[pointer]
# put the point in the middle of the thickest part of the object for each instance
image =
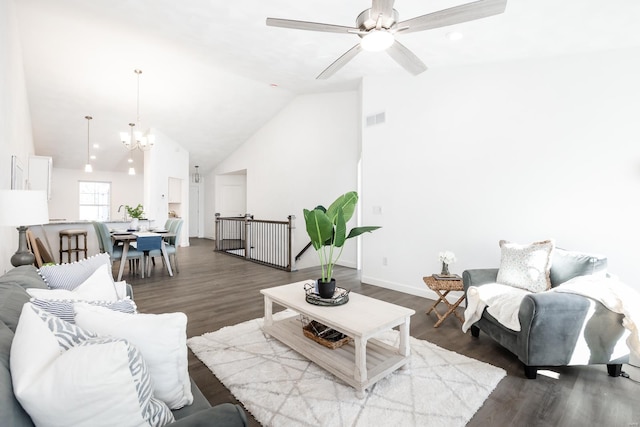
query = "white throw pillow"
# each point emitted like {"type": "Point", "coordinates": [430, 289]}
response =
{"type": "Point", "coordinates": [65, 376]}
{"type": "Point", "coordinates": [162, 340]}
{"type": "Point", "coordinates": [99, 286]}
{"type": "Point", "coordinates": [70, 276]}
{"type": "Point", "coordinates": [526, 266]}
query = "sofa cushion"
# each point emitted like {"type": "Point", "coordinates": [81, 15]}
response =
{"type": "Point", "coordinates": [568, 264]}
{"type": "Point", "coordinates": [526, 266]}
{"type": "Point", "coordinates": [12, 413]}
{"type": "Point", "coordinates": [60, 374]}
{"type": "Point", "coordinates": [26, 276]}
{"type": "Point", "coordinates": [12, 298]}
{"type": "Point", "coordinates": [98, 286]}
{"type": "Point", "coordinates": [162, 340]}
{"type": "Point", "coordinates": [70, 276]}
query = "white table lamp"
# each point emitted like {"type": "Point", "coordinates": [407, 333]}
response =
{"type": "Point", "coordinates": [21, 208]}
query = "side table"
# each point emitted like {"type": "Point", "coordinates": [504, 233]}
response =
{"type": "Point", "coordinates": [442, 288]}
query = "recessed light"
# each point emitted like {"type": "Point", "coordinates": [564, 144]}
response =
{"type": "Point", "coordinates": [130, 160]}
{"type": "Point", "coordinates": [92, 157]}
{"type": "Point", "coordinates": [454, 36]}
{"type": "Point", "coordinates": [96, 145]}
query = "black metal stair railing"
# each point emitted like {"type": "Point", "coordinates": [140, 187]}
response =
{"type": "Point", "coordinates": [262, 241]}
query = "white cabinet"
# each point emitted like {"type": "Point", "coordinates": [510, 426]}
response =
{"type": "Point", "coordinates": [40, 168]}
{"type": "Point", "coordinates": [175, 190]}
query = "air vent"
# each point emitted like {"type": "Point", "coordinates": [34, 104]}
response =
{"type": "Point", "coordinates": [376, 119]}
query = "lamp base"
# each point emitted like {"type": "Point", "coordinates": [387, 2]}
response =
{"type": "Point", "coordinates": [22, 255]}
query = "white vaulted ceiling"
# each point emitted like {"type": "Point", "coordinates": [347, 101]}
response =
{"type": "Point", "coordinates": [209, 65]}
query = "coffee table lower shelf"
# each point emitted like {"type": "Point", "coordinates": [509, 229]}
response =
{"type": "Point", "coordinates": [381, 358]}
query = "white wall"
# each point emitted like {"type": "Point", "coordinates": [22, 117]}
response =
{"type": "Point", "coordinates": [64, 204]}
{"type": "Point", "coordinates": [305, 156]}
{"type": "Point", "coordinates": [166, 159]}
{"type": "Point", "coordinates": [15, 121]}
{"type": "Point", "coordinates": [521, 151]}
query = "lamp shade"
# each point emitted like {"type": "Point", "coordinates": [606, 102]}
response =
{"type": "Point", "coordinates": [23, 207]}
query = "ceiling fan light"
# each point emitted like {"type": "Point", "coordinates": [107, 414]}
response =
{"type": "Point", "coordinates": [132, 171]}
{"type": "Point", "coordinates": [377, 40]}
{"type": "Point", "coordinates": [454, 36]}
{"type": "Point", "coordinates": [88, 167]}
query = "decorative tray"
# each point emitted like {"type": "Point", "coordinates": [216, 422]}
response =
{"type": "Point", "coordinates": [340, 296]}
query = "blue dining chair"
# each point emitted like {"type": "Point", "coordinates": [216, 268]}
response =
{"type": "Point", "coordinates": [171, 243]}
{"type": "Point", "coordinates": [115, 252]}
{"type": "Point", "coordinates": [146, 244]}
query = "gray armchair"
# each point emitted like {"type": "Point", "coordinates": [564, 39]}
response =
{"type": "Point", "coordinates": [558, 329]}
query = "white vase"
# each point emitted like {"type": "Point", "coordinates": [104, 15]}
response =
{"type": "Point", "coordinates": [134, 224]}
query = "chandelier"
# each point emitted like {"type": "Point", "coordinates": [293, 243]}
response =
{"type": "Point", "coordinates": [88, 167]}
{"type": "Point", "coordinates": [142, 140]}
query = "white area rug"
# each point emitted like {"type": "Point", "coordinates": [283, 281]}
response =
{"type": "Point", "coordinates": [281, 388]}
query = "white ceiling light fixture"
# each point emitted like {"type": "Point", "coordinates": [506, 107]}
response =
{"type": "Point", "coordinates": [196, 175]}
{"type": "Point", "coordinates": [140, 139]}
{"type": "Point", "coordinates": [88, 167]}
{"type": "Point", "coordinates": [377, 41]}
{"type": "Point", "coordinates": [455, 36]}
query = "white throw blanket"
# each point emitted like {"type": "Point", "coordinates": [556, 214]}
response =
{"type": "Point", "coordinates": [503, 302]}
{"type": "Point", "coordinates": [613, 294]}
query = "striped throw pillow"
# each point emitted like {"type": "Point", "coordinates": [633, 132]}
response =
{"type": "Point", "coordinates": [70, 276]}
{"type": "Point", "coordinates": [63, 309]}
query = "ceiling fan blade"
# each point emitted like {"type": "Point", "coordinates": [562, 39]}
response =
{"type": "Point", "coordinates": [407, 59]}
{"type": "Point", "coordinates": [340, 62]}
{"type": "Point", "coordinates": [454, 15]}
{"type": "Point", "coordinates": [384, 7]}
{"type": "Point", "coordinates": [310, 26]}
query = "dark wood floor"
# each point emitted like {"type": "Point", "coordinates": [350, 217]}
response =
{"type": "Point", "coordinates": [217, 290]}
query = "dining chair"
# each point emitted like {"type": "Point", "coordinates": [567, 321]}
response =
{"type": "Point", "coordinates": [146, 244]}
{"type": "Point", "coordinates": [115, 252]}
{"type": "Point", "coordinates": [171, 243]}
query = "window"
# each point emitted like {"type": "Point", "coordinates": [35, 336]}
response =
{"type": "Point", "coordinates": [95, 200]}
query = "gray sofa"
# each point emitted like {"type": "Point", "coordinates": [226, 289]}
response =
{"type": "Point", "coordinates": [553, 323]}
{"type": "Point", "coordinates": [12, 298]}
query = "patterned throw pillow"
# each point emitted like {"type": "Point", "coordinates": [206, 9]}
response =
{"type": "Point", "coordinates": [63, 309]}
{"type": "Point", "coordinates": [70, 276]}
{"type": "Point", "coordinates": [526, 266]}
{"type": "Point", "coordinates": [64, 375]}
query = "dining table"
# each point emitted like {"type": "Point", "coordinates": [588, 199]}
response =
{"type": "Point", "coordinates": [131, 236]}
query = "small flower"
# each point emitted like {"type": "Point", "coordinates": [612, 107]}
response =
{"type": "Point", "coordinates": [447, 257]}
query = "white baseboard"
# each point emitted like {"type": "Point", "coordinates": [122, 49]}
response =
{"type": "Point", "coordinates": [411, 290]}
{"type": "Point", "coordinates": [424, 293]}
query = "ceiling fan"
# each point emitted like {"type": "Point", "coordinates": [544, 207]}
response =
{"type": "Point", "coordinates": [378, 26]}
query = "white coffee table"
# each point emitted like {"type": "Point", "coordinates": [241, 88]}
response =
{"type": "Point", "coordinates": [361, 363]}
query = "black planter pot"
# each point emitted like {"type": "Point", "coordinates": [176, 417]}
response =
{"type": "Point", "coordinates": [326, 289]}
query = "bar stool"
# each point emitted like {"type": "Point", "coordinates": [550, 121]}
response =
{"type": "Point", "coordinates": [69, 234]}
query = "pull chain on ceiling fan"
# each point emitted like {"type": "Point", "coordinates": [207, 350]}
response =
{"type": "Point", "coordinates": [378, 26]}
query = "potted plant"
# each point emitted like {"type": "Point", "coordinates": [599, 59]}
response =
{"type": "Point", "coordinates": [327, 229]}
{"type": "Point", "coordinates": [136, 214]}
